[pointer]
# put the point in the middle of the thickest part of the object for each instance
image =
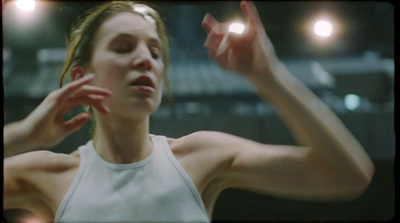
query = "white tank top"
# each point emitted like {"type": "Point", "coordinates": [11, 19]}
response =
{"type": "Point", "coordinates": [156, 189]}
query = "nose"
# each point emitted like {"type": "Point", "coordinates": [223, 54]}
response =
{"type": "Point", "coordinates": [142, 58]}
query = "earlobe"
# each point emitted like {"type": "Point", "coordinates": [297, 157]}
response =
{"type": "Point", "coordinates": [77, 72]}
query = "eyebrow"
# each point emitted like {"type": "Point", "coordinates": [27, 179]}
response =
{"type": "Point", "coordinates": [126, 35]}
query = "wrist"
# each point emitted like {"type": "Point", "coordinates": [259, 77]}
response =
{"type": "Point", "coordinates": [269, 76]}
{"type": "Point", "coordinates": [29, 134]}
{"type": "Point", "coordinates": [16, 139]}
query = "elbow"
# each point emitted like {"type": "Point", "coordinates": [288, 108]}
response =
{"type": "Point", "coordinates": [365, 178]}
{"type": "Point", "coordinates": [357, 191]}
{"type": "Point", "coordinates": [356, 187]}
{"type": "Point", "coordinates": [365, 182]}
{"type": "Point", "coordinates": [346, 193]}
{"type": "Point", "coordinates": [349, 185]}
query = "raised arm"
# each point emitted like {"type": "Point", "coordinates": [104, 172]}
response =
{"type": "Point", "coordinates": [331, 164]}
{"type": "Point", "coordinates": [45, 126]}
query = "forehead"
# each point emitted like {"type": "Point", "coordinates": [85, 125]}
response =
{"type": "Point", "coordinates": [126, 23]}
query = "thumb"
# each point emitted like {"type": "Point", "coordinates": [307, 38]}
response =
{"type": "Point", "coordinates": [250, 12]}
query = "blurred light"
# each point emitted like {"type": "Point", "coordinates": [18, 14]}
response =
{"type": "Point", "coordinates": [31, 219]}
{"type": "Point", "coordinates": [323, 28]}
{"type": "Point", "coordinates": [26, 5]}
{"type": "Point", "coordinates": [236, 27]}
{"type": "Point", "coordinates": [352, 101]}
{"type": "Point", "coordinates": [6, 55]}
{"type": "Point", "coordinates": [24, 23]}
{"type": "Point", "coordinates": [322, 75]}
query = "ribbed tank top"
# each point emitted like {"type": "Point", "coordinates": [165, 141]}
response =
{"type": "Point", "coordinates": [156, 189]}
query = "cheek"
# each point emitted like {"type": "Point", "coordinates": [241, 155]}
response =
{"type": "Point", "coordinates": [104, 62]}
{"type": "Point", "coordinates": [111, 66]}
{"type": "Point", "coordinates": [108, 71]}
{"type": "Point", "coordinates": [161, 89]}
{"type": "Point", "coordinates": [115, 65]}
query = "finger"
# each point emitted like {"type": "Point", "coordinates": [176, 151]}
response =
{"type": "Point", "coordinates": [250, 12]}
{"type": "Point", "coordinates": [221, 57]}
{"type": "Point", "coordinates": [93, 90]}
{"type": "Point", "coordinates": [209, 22]}
{"type": "Point", "coordinates": [70, 87]}
{"type": "Point", "coordinates": [214, 41]}
{"type": "Point", "coordinates": [76, 123]}
{"type": "Point", "coordinates": [93, 101]}
{"type": "Point", "coordinates": [223, 60]}
{"type": "Point", "coordinates": [223, 46]}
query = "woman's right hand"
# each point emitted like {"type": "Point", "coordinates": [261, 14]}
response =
{"type": "Point", "coordinates": [46, 126]}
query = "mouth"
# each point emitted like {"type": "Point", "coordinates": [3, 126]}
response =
{"type": "Point", "coordinates": [143, 81]}
{"type": "Point", "coordinates": [144, 84]}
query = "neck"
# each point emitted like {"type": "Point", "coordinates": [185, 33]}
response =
{"type": "Point", "coordinates": [121, 140]}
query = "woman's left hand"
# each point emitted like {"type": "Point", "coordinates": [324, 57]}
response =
{"type": "Point", "coordinates": [250, 53]}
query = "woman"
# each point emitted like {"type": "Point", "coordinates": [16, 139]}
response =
{"type": "Point", "coordinates": [117, 59]}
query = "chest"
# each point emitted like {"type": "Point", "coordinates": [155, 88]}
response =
{"type": "Point", "coordinates": [158, 189]}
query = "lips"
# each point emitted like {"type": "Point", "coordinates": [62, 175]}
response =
{"type": "Point", "coordinates": [143, 81]}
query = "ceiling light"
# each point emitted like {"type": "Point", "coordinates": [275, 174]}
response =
{"type": "Point", "coordinates": [25, 5]}
{"type": "Point", "coordinates": [323, 28]}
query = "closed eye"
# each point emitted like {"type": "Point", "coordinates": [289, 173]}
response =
{"type": "Point", "coordinates": [155, 53]}
{"type": "Point", "coordinates": [122, 44]}
{"type": "Point", "coordinates": [122, 50]}
{"type": "Point", "coordinates": [126, 43]}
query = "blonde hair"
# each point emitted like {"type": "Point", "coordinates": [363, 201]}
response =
{"type": "Point", "coordinates": [80, 43]}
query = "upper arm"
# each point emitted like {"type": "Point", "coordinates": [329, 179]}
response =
{"type": "Point", "coordinates": [284, 171]}
{"type": "Point", "coordinates": [278, 170]}
{"type": "Point", "coordinates": [20, 173]}
{"type": "Point", "coordinates": [13, 189]}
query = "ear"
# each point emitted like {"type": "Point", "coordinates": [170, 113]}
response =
{"type": "Point", "coordinates": [77, 72]}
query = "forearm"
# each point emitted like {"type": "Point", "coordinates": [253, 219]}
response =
{"type": "Point", "coordinates": [313, 124]}
{"type": "Point", "coordinates": [16, 139]}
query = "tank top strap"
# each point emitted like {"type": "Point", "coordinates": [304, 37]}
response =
{"type": "Point", "coordinates": [162, 141]}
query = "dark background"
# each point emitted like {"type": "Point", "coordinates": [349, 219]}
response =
{"type": "Point", "coordinates": [358, 61]}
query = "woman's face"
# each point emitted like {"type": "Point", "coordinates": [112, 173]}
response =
{"type": "Point", "coordinates": [127, 60]}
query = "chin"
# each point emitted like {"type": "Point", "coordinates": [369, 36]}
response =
{"type": "Point", "coordinates": [134, 106]}
{"type": "Point", "coordinates": [144, 108]}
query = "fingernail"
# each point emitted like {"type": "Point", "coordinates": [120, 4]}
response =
{"type": "Point", "coordinates": [90, 75]}
{"type": "Point", "coordinates": [221, 48]}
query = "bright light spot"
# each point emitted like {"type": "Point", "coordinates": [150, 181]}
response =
{"type": "Point", "coordinates": [140, 8]}
{"type": "Point", "coordinates": [352, 101]}
{"type": "Point", "coordinates": [236, 27]}
{"type": "Point", "coordinates": [26, 5]}
{"type": "Point", "coordinates": [323, 28]}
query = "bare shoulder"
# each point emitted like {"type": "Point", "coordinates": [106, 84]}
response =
{"type": "Point", "coordinates": [207, 157]}
{"type": "Point", "coordinates": [29, 170]}
{"type": "Point", "coordinates": [216, 150]}
{"type": "Point", "coordinates": [30, 176]}
{"type": "Point", "coordinates": [204, 157]}
{"type": "Point", "coordinates": [195, 143]}
{"type": "Point", "coordinates": [42, 160]}
{"type": "Point", "coordinates": [203, 139]}
{"type": "Point", "coordinates": [212, 140]}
